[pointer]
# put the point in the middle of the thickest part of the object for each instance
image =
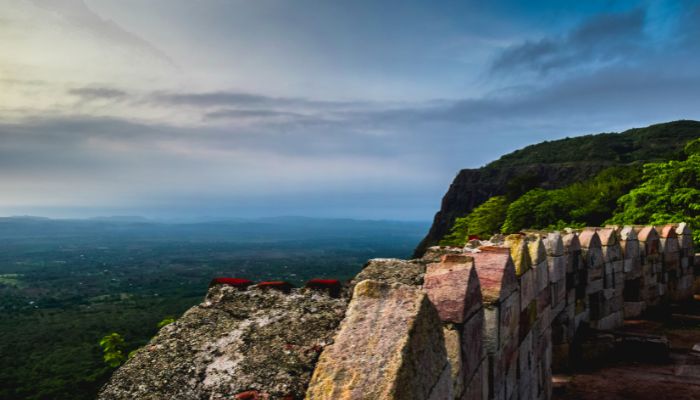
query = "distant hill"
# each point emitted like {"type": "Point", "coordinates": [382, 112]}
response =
{"type": "Point", "coordinates": [556, 164]}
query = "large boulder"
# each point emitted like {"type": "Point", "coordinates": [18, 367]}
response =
{"type": "Point", "coordinates": [258, 341]}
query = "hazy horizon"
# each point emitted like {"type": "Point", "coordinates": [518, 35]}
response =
{"type": "Point", "coordinates": [358, 109]}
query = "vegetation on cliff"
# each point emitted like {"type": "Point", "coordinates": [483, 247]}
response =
{"type": "Point", "coordinates": [670, 192]}
{"type": "Point", "coordinates": [555, 165]}
{"type": "Point", "coordinates": [651, 193]}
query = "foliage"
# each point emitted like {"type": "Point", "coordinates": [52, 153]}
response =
{"type": "Point", "coordinates": [483, 221]}
{"type": "Point", "coordinates": [584, 203]}
{"type": "Point", "coordinates": [166, 321]}
{"type": "Point", "coordinates": [113, 348]}
{"type": "Point", "coordinates": [670, 192]}
{"type": "Point", "coordinates": [65, 284]}
{"type": "Point", "coordinates": [659, 142]}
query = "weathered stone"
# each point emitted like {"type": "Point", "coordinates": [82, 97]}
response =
{"type": "Point", "coordinates": [629, 243]}
{"type": "Point", "coordinates": [592, 251]}
{"type": "Point", "coordinates": [554, 244]}
{"type": "Point", "coordinates": [648, 241]}
{"type": "Point", "coordinates": [391, 270]}
{"type": "Point", "coordinates": [634, 309]}
{"type": "Point", "coordinates": [528, 289]}
{"type": "Point", "coordinates": [477, 388]}
{"type": "Point", "coordinates": [610, 245]}
{"type": "Point", "coordinates": [389, 346]}
{"type": "Point", "coordinates": [453, 287]}
{"type": "Point", "coordinates": [472, 343]}
{"type": "Point", "coordinates": [496, 272]}
{"type": "Point", "coordinates": [453, 346]}
{"type": "Point", "coordinates": [519, 252]}
{"type": "Point", "coordinates": [435, 253]}
{"type": "Point", "coordinates": [233, 342]}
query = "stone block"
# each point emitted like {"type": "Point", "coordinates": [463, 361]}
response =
{"type": "Point", "coordinates": [527, 288]}
{"type": "Point", "coordinates": [538, 253]}
{"type": "Point", "coordinates": [472, 344]}
{"type": "Point", "coordinates": [594, 286]}
{"type": "Point", "coordinates": [453, 346]}
{"type": "Point", "coordinates": [453, 288]}
{"type": "Point", "coordinates": [391, 270]}
{"type": "Point", "coordinates": [554, 244]}
{"type": "Point", "coordinates": [496, 272]}
{"type": "Point", "coordinates": [389, 346]}
{"type": "Point", "coordinates": [477, 387]}
{"type": "Point", "coordinates": [557, 268]}
{"type": "Point", "coordinates": [633, 309]}
{"type": "Point", "coordinates": [558, 296]}
{"type": "Point", "coordinates": [561, 357]}
{"type": "Point", "coordinates": [572, 252]}
{"type": "Point", "coordinates": [508, 329]}
{"type": "Point", "coordinates": [648, 241]}
{"type": "Point", "coordinates": [519, 253]}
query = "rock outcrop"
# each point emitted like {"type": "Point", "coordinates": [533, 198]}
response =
{"type": "Point", "coordinates": [237, 341]}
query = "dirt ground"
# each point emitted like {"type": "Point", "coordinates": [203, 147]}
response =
{"type": "Point", "coordinates": [678, 378]}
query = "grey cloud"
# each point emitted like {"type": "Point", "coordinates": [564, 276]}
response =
{"type": "Point", "coordinates": [98, 93]}
{"type": "Point", "coordinates": [602, 39]}
{"type": "Point", "coordinates": [240, 99]}
{"type": "Point", "coordinates": [247, 113]}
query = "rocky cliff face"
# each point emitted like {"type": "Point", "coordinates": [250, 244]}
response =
{"type": "Point", "coordinates": [471, 187]}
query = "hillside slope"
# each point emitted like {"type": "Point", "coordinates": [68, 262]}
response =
{"type": "Point", "coordinates": [555, 164]}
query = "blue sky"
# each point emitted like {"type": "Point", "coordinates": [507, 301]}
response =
{"type": "Point", "coordinates": [364, 109]}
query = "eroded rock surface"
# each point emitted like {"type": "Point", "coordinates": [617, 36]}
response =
{"type": "Point", "coordinates": [235, 341]}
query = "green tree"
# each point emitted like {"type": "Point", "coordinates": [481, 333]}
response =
{"type": "Point", "coordinates": [483, 221]}
{"type": "Point", "coordinates": [670, 192]}
{"type": "Point", "coordinates": [166, 321]}
{"type": "Point", "coordinates": [113, 349]}
{"type": "Point", "coordinates": [590, 202]}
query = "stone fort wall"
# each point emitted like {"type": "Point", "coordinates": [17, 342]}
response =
{"type": "Point", "coordinates": [491, 320]}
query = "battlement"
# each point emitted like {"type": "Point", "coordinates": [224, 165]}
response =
{"type": "Point", "coordinates": [488, 321]}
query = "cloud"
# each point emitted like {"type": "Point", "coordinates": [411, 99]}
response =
{"type": "Point", "coordinates": [246, 113]}
{"type": "Point", "coordinates": [603, 39]}
{"type": "Point", "coordinates": [77, 14]}
{"type": "Point", "coordinates": [241, 99]}
{"type": "Point", "coordinates": [97, 93]}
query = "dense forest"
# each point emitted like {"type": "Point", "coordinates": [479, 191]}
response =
{"type": "Point", "coordinates": [636, 193]}
{"type": "Point", "coordinates": [66, 285]}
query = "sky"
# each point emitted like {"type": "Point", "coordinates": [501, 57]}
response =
{"type": "Point", "coordinates": [360, 109]}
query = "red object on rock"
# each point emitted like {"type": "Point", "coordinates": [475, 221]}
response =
{"type": "Point", "coordinates": [235, 282]}
{"type": "Point", "coordinates": [248, 395]}
{"type": "Point", "coordinates": [333, 286]}
{"type": "Point", "coordinates": [282, 286]}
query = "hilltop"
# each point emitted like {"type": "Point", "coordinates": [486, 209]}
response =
{"type": "Point", "coordinates": [557, 164]}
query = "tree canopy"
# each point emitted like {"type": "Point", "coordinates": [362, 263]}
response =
{"type": "Point", "coordinates": [669, 192]}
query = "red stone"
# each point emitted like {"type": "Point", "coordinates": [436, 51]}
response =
{"type": "Point", "coordinates": [496, 272]}
{"type": "Point", "coordinates": [235, 282]}
{"type": "Point", "coordinates": [248, 395]}
{"type": "Point", "coordinates": [453, 287]}
{"type": "Point", "coordinates": [333, 286]}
